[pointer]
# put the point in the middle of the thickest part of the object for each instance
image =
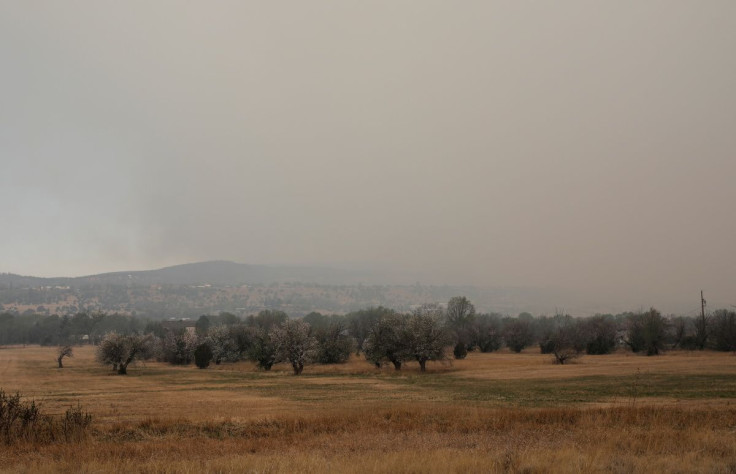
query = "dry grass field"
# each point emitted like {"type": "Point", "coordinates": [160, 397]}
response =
{"type": "Point", "coordinates": [496, 412]}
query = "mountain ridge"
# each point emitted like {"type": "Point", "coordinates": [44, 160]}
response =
{"type": "Point", "coordinates": [214, 272]}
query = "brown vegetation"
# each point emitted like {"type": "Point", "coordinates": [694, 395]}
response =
{"type": "Point", "coordinates": [497, 412]}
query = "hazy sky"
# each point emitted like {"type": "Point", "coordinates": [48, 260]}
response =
{"type": "Point", "coordinates": [582, 144]}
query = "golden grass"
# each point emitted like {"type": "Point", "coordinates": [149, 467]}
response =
{"type": "Point", "coordinates": [463, 417]}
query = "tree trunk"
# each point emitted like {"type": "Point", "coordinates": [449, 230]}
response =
{"type": "Point", "coordinates": [123, 369]}
{"type": "Point", "coordinates": [298, 367]}
{"type": "Point", "coordinates": [61, 366]}
{"type": "Point", "coordinates": [423, 365]}
{"type": "Point", "coordinates": [397, 364]}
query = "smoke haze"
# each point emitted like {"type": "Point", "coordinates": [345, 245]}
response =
{"type": "Point", "coordinates": [587, 146]}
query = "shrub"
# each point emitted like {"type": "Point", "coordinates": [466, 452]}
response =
{"type": "Point", "coordinates": [460, 351]}
{"type": "Point", "coordinates": [23, 421]}
{"type": "Point", "coordinates": [202, 356]}
{"type": "Point", "coordinates": [547, 346]}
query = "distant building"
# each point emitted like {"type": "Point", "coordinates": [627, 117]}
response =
{"type": "Point", "coordinates": [176, 325]}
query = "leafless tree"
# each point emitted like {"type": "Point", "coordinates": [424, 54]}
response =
{"type": "Point", "coordinates": [563, 343]}
{"type": "Point", "coordinates": [460, 315]}
{"type": "Point", "coordinates": [64, 351]}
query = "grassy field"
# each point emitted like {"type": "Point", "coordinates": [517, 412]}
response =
{"type": "Point", "coordinates": [496, 412]}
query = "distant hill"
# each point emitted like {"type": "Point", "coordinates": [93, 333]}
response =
{"type": "Point", "coordinates": [216, 273]}
{"type": "Point", "coordinates": [210, 287]}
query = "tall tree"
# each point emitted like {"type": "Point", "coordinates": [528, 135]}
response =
{"type": "Point", "coordinates": [460, 315]}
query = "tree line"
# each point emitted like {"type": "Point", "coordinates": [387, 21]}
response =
{"type": "Point", "coordinates": [429, 333]}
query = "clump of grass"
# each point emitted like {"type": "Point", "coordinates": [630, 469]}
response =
{"type": "Point", "coordinates": [23, 421]}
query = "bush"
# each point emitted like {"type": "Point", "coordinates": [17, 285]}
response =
{"type": "Point", "coordinates": [202, 356]}
{"type": "Point", "coordinates": [547, 346]}
{"type": "Point", "coordinates": [24, 421]}
{"type": "Point", "coordinates": [460, 351]}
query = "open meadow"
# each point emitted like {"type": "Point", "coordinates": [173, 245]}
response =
{"type": "Point", "coordinates": [498, 412]}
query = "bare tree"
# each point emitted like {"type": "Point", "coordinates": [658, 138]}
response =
{"type": "Point", "coordinates": [293, 343]}
{"type": "Point", "coordinates": [600, 334]}
{"type": "Point", "coordinates": [460, 314]}
{"type": "Point", "coordinates": [64, 351]}
{"type": "Point", "coordinates": [701, 325]}
{"type": "Point", "coordinates": [517, 333]}
{"type": "Point", "coordinates": [563, 343]}
{"type": "Point", "coordinates": [486, 332]}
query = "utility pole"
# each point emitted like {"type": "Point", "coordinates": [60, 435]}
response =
{"type": "Point", "coordinates": [701, 329]}
{"type": "Point", "coordinates": [702, 306]}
